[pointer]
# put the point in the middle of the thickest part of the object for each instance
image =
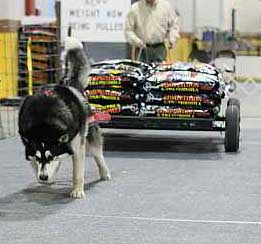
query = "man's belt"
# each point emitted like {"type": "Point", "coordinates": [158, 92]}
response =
{"type": "Point", "coordinates": [155, 45]}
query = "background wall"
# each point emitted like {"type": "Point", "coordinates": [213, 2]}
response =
{"type": "Point", "coordinates": [46, 7]}
{"type": "Point", "coordinates": [15, 9]}
{"type": "Point", "coordinates": [185, 9]}
{"type": "Point", "coordinates": [11, 9]}
{"type": "Point", "coordinates": [196, 14]}
{"type": "Point", "coordinates": [249, 16]}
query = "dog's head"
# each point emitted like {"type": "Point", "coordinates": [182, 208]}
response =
{"type": "Point", "coordinates": [45, 157]}
{"type": "Point", "coordinates": [47, 125]}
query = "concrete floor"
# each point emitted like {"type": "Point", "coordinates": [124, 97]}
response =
{"type": "Point", "coordinates": [167, 187]}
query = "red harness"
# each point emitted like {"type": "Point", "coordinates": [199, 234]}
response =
{"type": "Point", "coordinates": [98, 117]}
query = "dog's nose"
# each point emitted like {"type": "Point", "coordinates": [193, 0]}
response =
{"type": "Point", "coordinates": [43, 177]}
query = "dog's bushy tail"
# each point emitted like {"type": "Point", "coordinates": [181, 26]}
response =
{"type": "Point", "coordinates": [78, 65]}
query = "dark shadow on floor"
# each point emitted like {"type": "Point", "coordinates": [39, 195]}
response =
{"type": "Point", "coordinates": [195, 147]}
{"type": "Point", "coordinates": [164, 144]}
{"type": "Point", "coordinates": [37, 201]}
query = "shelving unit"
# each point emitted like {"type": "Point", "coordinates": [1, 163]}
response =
{"type": "Point", "coordinates": [43, 47]}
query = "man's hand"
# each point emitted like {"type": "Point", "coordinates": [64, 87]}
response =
{"type": "Point", "coordinates": [172, 45]}
{"type": "Point", "coordinates": [141, 44]}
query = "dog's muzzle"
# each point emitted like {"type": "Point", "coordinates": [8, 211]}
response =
{"type": "Point", "coordinates": [44, 159]}
{"type": "Point", "coordinates": [46, 172]}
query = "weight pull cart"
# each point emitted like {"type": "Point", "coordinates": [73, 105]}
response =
{"type": "Point", "coordinates": [228, 123]}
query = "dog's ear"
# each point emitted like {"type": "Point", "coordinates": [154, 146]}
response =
{"type": "Point", "coordinates": [64, 138]}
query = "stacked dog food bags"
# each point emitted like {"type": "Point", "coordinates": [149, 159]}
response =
{"type": "Point", "coordinates": [183, 90]}
{"type": "Point", "coordinates": [167, 90]}
{"type": "Point", "coordinates": [114, 86]}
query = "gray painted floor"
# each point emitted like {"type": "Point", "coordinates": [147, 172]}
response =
{"type": "Point", "coordinates": [167, 187]}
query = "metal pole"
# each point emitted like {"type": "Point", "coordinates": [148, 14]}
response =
{"type": "Point", "coordinates": [233, 31]}
{"type": "Point", "coordinates": [69, 31]}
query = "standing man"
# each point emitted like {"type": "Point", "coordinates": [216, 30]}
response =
{"type": "Point", "coordinates": [149, 24]}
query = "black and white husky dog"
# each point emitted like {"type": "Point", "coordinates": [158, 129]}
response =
{"type": "Point", "coordinates": [53, 123]}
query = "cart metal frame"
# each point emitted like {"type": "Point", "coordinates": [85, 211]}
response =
{"type": "Point", "coordinates": [156, 123]}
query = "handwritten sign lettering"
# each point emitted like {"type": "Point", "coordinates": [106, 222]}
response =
{"type": "Point", "coordinates": [95, 20]}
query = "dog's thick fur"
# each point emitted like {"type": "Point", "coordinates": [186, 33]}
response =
{"type": "Point", "coordinates": [51, 126]}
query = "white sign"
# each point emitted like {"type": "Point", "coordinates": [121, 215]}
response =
{"type": "Point", "coordinates": [95, 20]}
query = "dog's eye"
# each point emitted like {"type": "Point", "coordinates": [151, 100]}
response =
{"type": "Point", "coordinates": [64, 138]}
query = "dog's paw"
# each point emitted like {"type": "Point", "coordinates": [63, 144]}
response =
{"type": "Point", "coordinates": [77, 194]}
{"type": "Point", "coordinates": [106, 176]}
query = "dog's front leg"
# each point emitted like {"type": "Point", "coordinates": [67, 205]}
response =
{"type": "Point", "coordinates": [78, 158]}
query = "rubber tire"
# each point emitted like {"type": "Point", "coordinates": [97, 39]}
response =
{"type": "Point", "coordinates": [232, 128]}
{"type": "Point", "coordinates": [233, 101]}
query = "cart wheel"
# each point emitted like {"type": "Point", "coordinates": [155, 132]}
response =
{"type": "Point", "coordinates": [233, 101]}
{"type": "Point", "coordinates": [232, 128]}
